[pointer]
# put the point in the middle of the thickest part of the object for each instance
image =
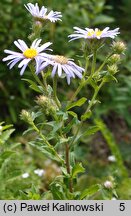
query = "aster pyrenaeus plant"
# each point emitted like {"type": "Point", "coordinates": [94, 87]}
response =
{"type": "Point", "coordinates": [40, 14]}
{"type": "Point", "coordinates": [35, 52]}
{"type": "Point", "coordinates": [60, 64]}
{"type": "Point", "coordinates": [58, 128]}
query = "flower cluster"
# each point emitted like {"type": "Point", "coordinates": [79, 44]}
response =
{"type": "Point", "coordinates": [37, 52]}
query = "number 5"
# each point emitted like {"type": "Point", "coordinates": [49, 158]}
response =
{"type": "Point", "coordinates": [122, 207]}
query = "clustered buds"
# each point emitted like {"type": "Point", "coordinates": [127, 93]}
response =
{"type": "Point", "coordinates": [26, 116]}
{"type": "Point", "coordinates": [118, 47]}
{"type": "Point", "coordinates": [115, 58]}
{"type": "Point", "coordinates": [113, 69]}
{"type": "Point", "coordinates": [47, 104]}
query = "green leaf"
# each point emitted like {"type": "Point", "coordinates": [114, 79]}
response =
{"type": "Point", "coordinates": [33, 85]}
{"type": "Point", "coordinates": [6, 135]}
{"type": "Point", "coordinates": [78, 168]}
{"type": "Point", "coordinates": [58, 191]}
{"type": "Point", "coordinates": [5, 155]}
{"type": "Point", "coordinates": [74, 121]}
{"type": "Point", "coordinates": [79, 103]}
{"type": "Point", "coordinates": [90, 191]}
{"type": "Point", "coordinates": [109, 78]}
{"type": "Point", "coordinates": [86, 116]}
{"type": "Point", "coordinates": [55, 125]}
{"type": "Point", "coordinates": [91, 130]}
{"type": "Point", "coordinates": [93, 84]}
{"type": "Point", "coordinates": [63, 115]}
{"type": "Point", "coordinates": [46, 150]}
{"type": "Point", "coordinates": [112, 145]}
{"type": "Point", "coordinates": [72, 114]}
{"type": "Point", "coordinates": [7, 126]}
{"type": "Point", "coordinates": [100, 19]}
{"type": "Point", "coordinates": [50, 90]}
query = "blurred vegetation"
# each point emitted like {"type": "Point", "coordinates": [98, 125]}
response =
{"type": "Point", "coordinates": [114, 110]}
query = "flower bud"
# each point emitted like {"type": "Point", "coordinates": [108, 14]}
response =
{"type": "Point", "coordinates": [47, 103]}
{"type": "Point", "coordinates": [42, 101]}
{"type": "Point", "coordinates": [108, 184]}
{"type": "Point", "coordinates": [119, 47]}
{"type": "Point", "coordinates": [113, 69]}
{"type": "Point", "coordinates": [26, 116]}
{"type": "Point", "coordinates": [114, 58]}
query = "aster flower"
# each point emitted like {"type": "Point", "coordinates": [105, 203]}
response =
{"type": "Point", "coordinates": [34, 52]}
{"type": "Point", "coordinates": [61, 63]}
{"type": "Point", "coordinates": [91, 33]}
{"type": "Point", "coordinates": [41, 14]}
{"type": "Point", "coordinates": [39, 172]}
{"type": "Point", "coordinates": [25, 175]}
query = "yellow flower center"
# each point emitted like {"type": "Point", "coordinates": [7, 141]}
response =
{"type": "Point", "coordinates": [30, 53]}
{"type": "Point", "coordinates": [60, 59]}
{"type": "Point", "coordinates": [90, 33]}
{"type": "Point", "coordinates": [98, 33]}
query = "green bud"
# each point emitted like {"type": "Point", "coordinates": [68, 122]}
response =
{"type": "Point", "coordinates": [114, 59]}
{"type": "Point", "coordinates": [26, 116]}
{"type": "Point", "coordinates": [113, 69]}
{"type": "Point", "coordinates": [119, 47]}
{"type": "Point", "coordinates": [42, 101]}
{"type": "Point", "coordinates": [47, 103]}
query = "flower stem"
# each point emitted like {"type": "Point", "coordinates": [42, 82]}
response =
{"type": "Point", "coordinates": [82, 84]}
{"type": "Point", "coordinates": [47, 143]}
{"type": "Point", "coordinates": [93, 62]}
{"type": "Point", "coordinates": [103, 64]}
{"type": "Point", "coordinates": [87, 110]}
{"type": "Point", "coordinates": [68, 166]}
{"type": "Point", "coordinates": [55, 91]}
{"type": "Point", "coordinates": [37, 79]}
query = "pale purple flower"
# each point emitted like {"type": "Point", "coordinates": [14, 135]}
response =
{"type": "Point", "coordinates": [60, 64]}
{"type": "Point", "coordinates": [39, 172]}
{"type": "Point", "coordinates": [41, 13]}
{"type": "Point", "coordinates": [112, 158]}
{"type": "Point", "coordinates": [25, 175]}
{"type": "Point", "coordinates": [34, 52]}
{"type": "Point", "coordinates": [88, 33]}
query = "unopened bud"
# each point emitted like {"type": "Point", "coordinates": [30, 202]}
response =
{"type": "Point", "coordinates": [119, 47]}
{"type": "Point", "coordinates": [113, 69]}
{"type": "Point", "coordinates": [108, 184]}
{"type": "Point", "coordinates": [42, 101]}
{"type": "Point", "coordinates": [26, 116]}
{"type": "Point", "coordinates": [47, 103]}
{"type": "Point", "coordinates": [114, 58]}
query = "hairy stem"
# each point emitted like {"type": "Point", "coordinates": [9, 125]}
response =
{"type": "Point", "coordinates": [47, 143]}
{"type": "Point", "coordinates": [55, 91]}
{"type": "Point", "coordinates": [103, 64]}
{"type": "Point", "coordinates": [87, 110]}
{"type": "Point", "coordinates": [37, 79]}
{"type": "Point", "coordinates": [93, 63]}
{"type": "Point", "coordinates": [82, 84]}
{"type": "Point", "coordinates": [68, 166]}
